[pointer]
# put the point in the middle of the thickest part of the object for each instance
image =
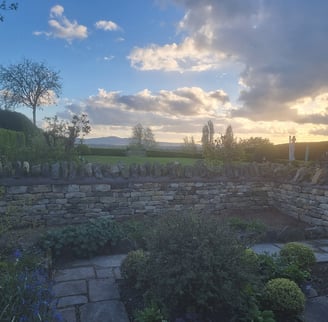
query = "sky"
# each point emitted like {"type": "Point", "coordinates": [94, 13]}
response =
{"type": "Point", "coordinates": [260, 66]}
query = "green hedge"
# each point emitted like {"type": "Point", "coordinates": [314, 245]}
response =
{"type": "Point", "coordinates": [173, 154]}
{"type": "Point", "coordinates": [10, 141]}
{"type": "Point", "coordinates": [18, 122]}
{"type": "Point", "coordinates": [107, 151]}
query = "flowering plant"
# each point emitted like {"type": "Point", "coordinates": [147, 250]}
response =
{"type": "Point", "coordinates": [25, 291]}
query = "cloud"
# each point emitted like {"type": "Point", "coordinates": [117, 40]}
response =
{"type": "Point", "coordinates": [175, 114]}
{"type": "Point", "coordinates": [175, 57]}
{"type": "Point", "coordinates": [63, 28]}
{"type": "Point", "coordinates": [107, 25]}
{"type": "Point", "coordinates": [280, 47]}
{"type": "Point", "coordinates": [181, 110]}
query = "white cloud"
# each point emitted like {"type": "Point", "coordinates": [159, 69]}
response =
{"type": "Point", "coordinates": [179, 111]}
{"type": "Point", "coordinates": [56, 11]}
{"type": "Point", "coordinates": [63, 28]}
{"type": "Point", "coordinates": [107, 25]}
{"type": "Point", "coordinates": [175, 57]}
{"type": "Point", "coordinates": [279, 46]}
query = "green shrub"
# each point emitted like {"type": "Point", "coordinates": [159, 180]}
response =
{"type": "Point", "coordinates": [298, 254]}
{"type": "Point", "coordinates": [84, 240]}
{"type": "Point", "coordinates": [151, 313]}
{"type": "Point", "coordinates": [284, 298]}
{"type": "Point", "coordinates": [271, 266]}
{"type": "Point", "coordinates": [196, 262]}
{"type": "Point", "coordinates": [133, 268]}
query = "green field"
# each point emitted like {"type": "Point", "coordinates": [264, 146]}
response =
{"type": "Point", "coordinates": [137, 160]}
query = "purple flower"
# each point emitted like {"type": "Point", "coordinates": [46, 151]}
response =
{"type": "Point", "coordinates": [17, 254]}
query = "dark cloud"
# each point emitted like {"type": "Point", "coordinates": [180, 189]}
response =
{"type": "Point", "coordinates": [282, 45]}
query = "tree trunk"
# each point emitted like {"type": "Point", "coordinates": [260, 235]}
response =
{"type": "Point", "coordinates": [34, 115]}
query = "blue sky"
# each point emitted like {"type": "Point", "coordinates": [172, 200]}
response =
{"type": "Point", "coordinates": [172, 65]}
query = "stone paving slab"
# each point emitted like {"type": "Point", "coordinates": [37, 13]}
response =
{"type": "Point", "coordinates": [105, 273]}
{"type": "Point", "coordinates": [71, 274]}
{"type": "Point", "coordinates": [70, 288]}
{"type": "Point", "coordinates": [101, 261]}
{"type": "Point", "coordinates": [266, 249]}
{"type": "Point", "coordinates": [71, 301]}
{"type": "Point", "coordinates": [69, 314]}
{"type": "Point", "coordinates": [108, 261]}
{"type": "Point", "coordinates": [316, 309]}
{"type": "Point", "coordinates": [103, 289]}
{"type": "Point", "coordinates": [107, 311]}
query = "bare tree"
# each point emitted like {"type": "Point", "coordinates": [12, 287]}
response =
{"type": "Point", "coordinates": [29, 84]}
{"type": "Point", "coordinates": [142, 138]}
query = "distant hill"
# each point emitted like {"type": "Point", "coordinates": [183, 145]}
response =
{"type": "Point", "coordinates": [107, 141]}
{"type": "Point", "coordinates": [115, 141]}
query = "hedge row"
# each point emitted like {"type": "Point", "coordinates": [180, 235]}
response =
{"type": "Point", "coordinates": [173, 154]}
{"type": "Point", "coordinates": [107, 151]}
{"type": "Point", "coordinates": [11, 140]}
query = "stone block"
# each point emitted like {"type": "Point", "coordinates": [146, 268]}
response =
{"type": "Point", "coordinates": [68, 314]}
{"type": "Point", "coordinates": [101, 187]}
{"type": "Point", "coordinates": [109, 311]}
{"type": "Point", "coordinates": [70, 288]}
{"type": "Point", "coordinates": [74, 274]}
{"type": "Point", "coordinates": [17, 189]}
{"type": "Point", "coordinates": [71, 300]}
{"type": "Point", "coordinates": [103, 289]}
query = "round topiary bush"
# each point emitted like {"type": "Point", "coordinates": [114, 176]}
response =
{"type": "Point", "coordinates": [133, 267]}
{"type": "Point", "coordinates": [284, 298]}
{"type": "Point", "coordinates": [298, 254]}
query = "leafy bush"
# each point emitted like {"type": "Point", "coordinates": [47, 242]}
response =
{"type": "Point", "coordinates": [298, 254]}
{"type": "Point", "coordinates": [151, 313]}
{"type": "Point", "coordinates": [195, 263]}
{"type": "Point", "coordinates": [18, 122]}
{"type": "Point", "coordinates": [271, 267]}
{"type": "Point", "coordinates": [133, 268]}
{"type": "Point", "coordinates": [284, 298]}
{"type": "Point", "coordinates": [83, 240]}
{"type": "Point", "coordinates": [25, 292]}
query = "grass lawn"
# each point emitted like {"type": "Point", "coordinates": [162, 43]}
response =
{"type": "Point", "coordinates": [137, 160]}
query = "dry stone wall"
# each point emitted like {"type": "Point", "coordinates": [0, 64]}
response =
{"type": "Point", "coordinates": [65, 203]}
{"type": "Point", "coordinates": [64, 196]}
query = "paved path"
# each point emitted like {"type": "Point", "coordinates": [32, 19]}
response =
{"type": "Point", "coordinates": [87, 290]}
{"type": "Point", "coordinates": [319, 246]}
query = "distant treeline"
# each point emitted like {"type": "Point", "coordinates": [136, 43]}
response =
{"type": "Point", "coordinates": [149, 153]}
{"type": "Point", "coordinates": [317, 150]}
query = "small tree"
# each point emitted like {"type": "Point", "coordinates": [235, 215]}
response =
{"type": "Point", "coordinates": [208, 140]}
{"type": "Point", "coordinates": [189, 145]}
{"type": "Point", "coordinates": [29, 84]}
{"type": "Point", "coordinates": [142, 138]}
{"type": "Point", "coordinates": [62, 134]}
{"type": "Point", "coordinates": [226, 146]}
{"type": "Point", "coordinates": [257, 149]}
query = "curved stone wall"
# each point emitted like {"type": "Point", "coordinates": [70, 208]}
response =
{"type": "Point", "coordinates": [34, 201]}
